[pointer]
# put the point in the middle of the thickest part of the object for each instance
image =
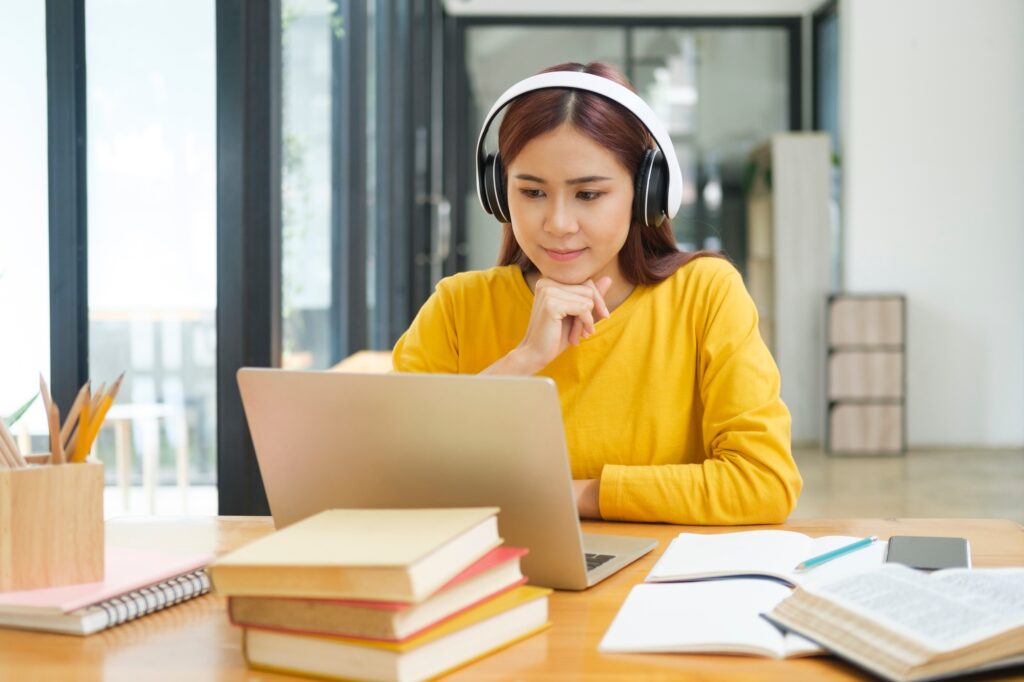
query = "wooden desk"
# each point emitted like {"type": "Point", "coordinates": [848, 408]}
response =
{"type": "Point", "coordinates": [193, 641]}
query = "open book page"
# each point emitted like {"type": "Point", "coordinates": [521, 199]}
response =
{"type": "Point", "coordinates": [771, 553]}
{"type": "Point", "coordinates": [861, 560]}
{"type": "Point", "coordinates": [945, 611]}
{"type": "Point", "coordinates": [718, 616]}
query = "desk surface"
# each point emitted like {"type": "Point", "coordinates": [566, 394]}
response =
{"type": "Point", "coordinates": [194, 642]}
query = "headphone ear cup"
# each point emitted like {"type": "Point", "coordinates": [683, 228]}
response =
{"type": "Point", "coordinates": [650, 194]}
{"type": "Point", "coordinates": [496, 188]}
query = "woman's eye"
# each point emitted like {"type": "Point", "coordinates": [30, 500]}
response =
{"type": "Point", "coordinates": [587, 196]}
{"type": "Point", "coordinates": [531, 193]}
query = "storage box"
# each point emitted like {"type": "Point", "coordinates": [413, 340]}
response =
{"type": "Point", "coordinates": [51, 525]}
{"type": "Point", "coordinates": [866, 429]}
{"type": "Point", "coordinates": [865, 374]}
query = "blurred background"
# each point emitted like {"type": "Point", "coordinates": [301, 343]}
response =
{"type": "Point", "coordinates": [193, 186]}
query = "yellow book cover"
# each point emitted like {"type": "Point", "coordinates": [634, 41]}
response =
{"type": "Point", "coordinates": [374, 554]}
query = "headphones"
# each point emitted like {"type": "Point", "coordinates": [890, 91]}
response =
{"type": "Point", "coordinates": [658, 186]}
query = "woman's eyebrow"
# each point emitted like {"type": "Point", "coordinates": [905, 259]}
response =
{"type": "Point", "coordinates": [574, 181]}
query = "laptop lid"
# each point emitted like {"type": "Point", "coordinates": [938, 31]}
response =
{"type": "Point", "coordinates": [334, 440]}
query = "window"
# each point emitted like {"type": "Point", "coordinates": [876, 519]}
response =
{"type": "Point", "coordinates": [24, 233]}
{"type": "Point", "coordinates": [308, 29]}
{"type": "Point", "coordinates": [153, 247]}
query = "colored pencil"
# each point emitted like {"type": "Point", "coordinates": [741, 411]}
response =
{"type": "Point", "coordinates": [835, 553]}
{"type": "Point", "coordinates": [76, 409]}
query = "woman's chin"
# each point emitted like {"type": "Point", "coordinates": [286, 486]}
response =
{"type": "Point", "coordinates": [568, 276]}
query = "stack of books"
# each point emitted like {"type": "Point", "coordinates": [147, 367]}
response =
{"type": "Point", "coordinates": [379, 594]}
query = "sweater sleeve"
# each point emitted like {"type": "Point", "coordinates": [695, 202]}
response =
{"type": "Point", "coordinates": [748, 475]}
{"type": "Point", "coordinates": [430, 344]}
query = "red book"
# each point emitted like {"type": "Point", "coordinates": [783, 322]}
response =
{"type": "Point", "coordinates": [493, 574]}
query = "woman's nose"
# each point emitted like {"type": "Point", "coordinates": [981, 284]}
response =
{"type": "Point", "coordinates": [560, 219]}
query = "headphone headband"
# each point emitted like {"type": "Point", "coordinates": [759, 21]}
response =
{"type": "Point", "coordinates": [575, 80]}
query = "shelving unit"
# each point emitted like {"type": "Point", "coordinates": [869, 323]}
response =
{"type": "Point", "coordinates": [866, 375]}
{"type": "Point", "coordinates": [789, 265]}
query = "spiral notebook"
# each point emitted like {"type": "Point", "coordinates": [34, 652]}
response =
{"type": "Point", "coordinates": [136, 583]}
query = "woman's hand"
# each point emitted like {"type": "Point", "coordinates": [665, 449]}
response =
{"type": "Point", "coordinates": [588, 496]}
{"type": "Point", "coordinates": [562, 315]}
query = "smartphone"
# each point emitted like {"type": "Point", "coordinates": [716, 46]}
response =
{"type": "Point", "coordinates": [928, 553]}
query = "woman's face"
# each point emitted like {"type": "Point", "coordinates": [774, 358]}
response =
{"type": "Point", "coordinates": [570, 202]}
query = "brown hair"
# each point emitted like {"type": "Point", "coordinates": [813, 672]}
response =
{"type": "Point", "coordinates": [649, 254]}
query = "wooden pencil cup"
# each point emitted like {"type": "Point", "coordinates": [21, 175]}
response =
{"type": "Point", "coordinates": [51, 525]}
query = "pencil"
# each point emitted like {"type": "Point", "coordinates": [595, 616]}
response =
{"type": "Point", "coordinates": [56, 450]}
{"type": "Point", "coordinates": [69, 423]}
{"type": "Point", "coordinates": [7, 460]}
{"type": "Point", "coordinates": [13, 454]}
{"type": "Point", "coordinates": [52, 426]}
{"type": "Point", "coordinates": [94, 426]}
{"type": "Point", "coordinates": [97, 398]}
{"type": "Point", "coordinates": [835, 553]}
{"type": "Point", "coordinates": [43, 391]}
{"type": "Point", "coordinates": [83, 426]}
{"type": "Point", "coordinates": [116, 387]}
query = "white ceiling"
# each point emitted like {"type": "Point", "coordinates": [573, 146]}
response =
{"type": "Point", "coordinates": [618, 8]}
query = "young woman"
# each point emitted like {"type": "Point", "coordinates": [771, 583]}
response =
{"type": "Point", "coordinates": [669, 396]}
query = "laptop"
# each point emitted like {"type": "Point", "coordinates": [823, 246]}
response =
{"type": "Point", "coordinates": [333, 440]}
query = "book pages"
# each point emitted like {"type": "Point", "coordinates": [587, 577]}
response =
{"type": "Point", "coordinates": [945, 611]}
{"type": "Point", "coordinates": [717, 616]}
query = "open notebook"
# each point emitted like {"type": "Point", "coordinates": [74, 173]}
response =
{"type": "Point", "coordinates": [718, 616]}
{"type": "Point", "coordinates": [761, 553]}
{"type": "Point", "coordinates": [135, 583]}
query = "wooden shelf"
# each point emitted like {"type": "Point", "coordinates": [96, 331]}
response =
{"type": "Point", "coordinates": [866, 374]}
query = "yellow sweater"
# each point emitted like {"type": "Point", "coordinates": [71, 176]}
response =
{"type": "Point", "coordinates": [673, 402]}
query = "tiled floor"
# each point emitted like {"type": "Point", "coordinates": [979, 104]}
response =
{"type": "Point", "coordinates": [922, 484]}
{"type": "Point", "coordinates": [964, 483]}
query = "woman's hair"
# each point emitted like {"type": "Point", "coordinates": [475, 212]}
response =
{"type": "Point", "coordinates": [649, 254]}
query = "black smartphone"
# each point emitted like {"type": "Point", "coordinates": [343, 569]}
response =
{"type": "Point", "coordinates": [928, 553]}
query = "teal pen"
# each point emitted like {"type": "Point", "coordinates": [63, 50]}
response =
{"type": "Point", "coordinates": [829, 556]}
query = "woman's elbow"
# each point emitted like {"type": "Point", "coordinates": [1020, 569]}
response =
{"type": "Point", "coordinates": [770, 497]}
{"type": "Point", "coordinates": [784, 493]}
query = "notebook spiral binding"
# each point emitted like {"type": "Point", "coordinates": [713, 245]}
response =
{"type": "Point", "coordinates": [153, 598]}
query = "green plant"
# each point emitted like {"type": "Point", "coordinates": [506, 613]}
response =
{"type": "Point", "coordinates": [10, 421]}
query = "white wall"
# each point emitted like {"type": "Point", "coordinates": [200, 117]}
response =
{"type": "Point", "coordinates": [932, 116]}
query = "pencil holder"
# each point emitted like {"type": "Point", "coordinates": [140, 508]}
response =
{"type": "Point", "coordinates": [51, 525]}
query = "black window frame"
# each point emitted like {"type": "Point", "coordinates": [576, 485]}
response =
{"type": "Point", "coordinates": [68, 199]}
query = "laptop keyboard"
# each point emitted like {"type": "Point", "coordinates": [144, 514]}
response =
{"type": "Point", "coordinates": [595, 560]}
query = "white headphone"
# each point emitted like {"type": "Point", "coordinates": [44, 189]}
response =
{"type": "Point", "coordinates": [658, 188]}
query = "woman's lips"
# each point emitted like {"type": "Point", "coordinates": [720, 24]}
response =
{"type": "Point", "coordinates": [563, 255]}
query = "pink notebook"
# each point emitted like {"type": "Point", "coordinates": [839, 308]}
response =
{"type": "Point", "coordinates": [136, 582]}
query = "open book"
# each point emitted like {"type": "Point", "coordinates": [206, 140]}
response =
{"type": "Point", "coordinates": [761, 553]}
{"type": "Point", "coordinates": [904, 624]}
{"type": "Point", "coordinates": [719, 616]}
